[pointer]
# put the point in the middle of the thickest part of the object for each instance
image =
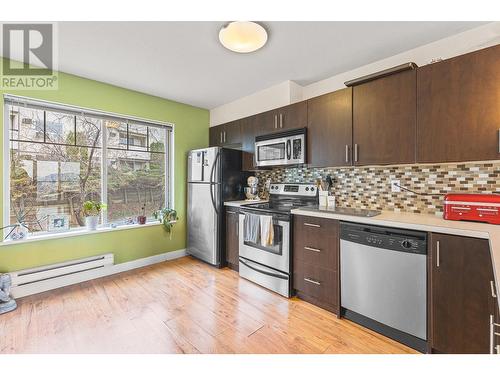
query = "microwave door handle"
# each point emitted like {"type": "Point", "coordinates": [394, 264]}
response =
{"type": "Point", "coordinates": [288, 149]}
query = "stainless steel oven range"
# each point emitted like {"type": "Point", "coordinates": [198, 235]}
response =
{"type": "Point", "coordinates": [267, 262]}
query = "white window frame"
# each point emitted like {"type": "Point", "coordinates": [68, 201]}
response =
{"type": "Point", "coordinates": [54, 106]}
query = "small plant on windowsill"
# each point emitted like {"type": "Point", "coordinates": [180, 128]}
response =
{"type": "Point", "coordinates": [168, 217]}
{"type": "Point", "coordinates": [141, 219]}
{"type": "Point", "coordinates": [91, 211]}
{"type": "Point", "coordinates": [20, 229]}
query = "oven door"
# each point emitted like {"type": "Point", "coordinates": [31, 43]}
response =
{"type": "Point", "coordinates": [280, 151]}
{"type": "Point", "coordinates": [277, 255]}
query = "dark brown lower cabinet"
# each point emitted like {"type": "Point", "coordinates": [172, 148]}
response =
{"type": "Point", "coordinates": [232, 241]}
{"type": "Point", "coordinates": [461, 297]}
{"type": "Point", "coordinates": [315, 261]}
{"type": "Point", "coordinates": [496, 327]}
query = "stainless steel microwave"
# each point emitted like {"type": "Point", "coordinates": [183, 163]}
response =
{"type": "Point", "coordinates": [287, 148]}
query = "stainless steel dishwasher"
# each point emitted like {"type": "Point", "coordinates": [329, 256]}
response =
{"type": "Point", "coordinates": [383, 274]}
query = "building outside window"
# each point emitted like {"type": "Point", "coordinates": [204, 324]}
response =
{"type": "Point", "coordinates": [61, 156]}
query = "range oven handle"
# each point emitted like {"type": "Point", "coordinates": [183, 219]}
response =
{"type": "Point", "coordinates": [279, 276]}
{"type": "Point", "coordinates": [288, 149]}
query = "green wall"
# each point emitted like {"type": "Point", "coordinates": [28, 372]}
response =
{"type": "Point", "coordinates": [191, 131]}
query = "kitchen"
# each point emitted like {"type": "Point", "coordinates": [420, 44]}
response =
{"type": "Point", "coordinates": [254, 187]}
{"type": "Point", "coordinates": [400, 148]}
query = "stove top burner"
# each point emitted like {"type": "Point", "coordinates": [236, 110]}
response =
{"type": "Point", "coordinates": [282, 207]}
{"type": "Point", "coordinates": [286, 197]}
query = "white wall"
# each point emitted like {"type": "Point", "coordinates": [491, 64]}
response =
{"type": "Point", "coordinates": [273, 97]}
{"type": "Point", "coordinates": [289, 92]}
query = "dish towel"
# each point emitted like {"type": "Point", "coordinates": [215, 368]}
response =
{"type": "Point", "coordinates": [251, 226]}
{"type": "Point", "coordinates": [266, 230]}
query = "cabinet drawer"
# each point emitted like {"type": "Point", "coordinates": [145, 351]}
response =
{"type": "Point", "coordinates": [316, 242]}
{"type": "Point", "coordinates": [316, 252]}
{"type": "Point", "coordinates": [315, 226]}
{"type": "Point", "coordinates": [316, 282]}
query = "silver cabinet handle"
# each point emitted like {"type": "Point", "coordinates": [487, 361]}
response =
{"type": "Point", "coordinates": [224, 136]}
{"type": "Point", "coordinates": [347, 153]}
{"type": "Point", "coordinates": [312, 281]}
{"type": "Point", "coordinates": [237, 229]}
{"type": "Point", "coordinates": [276, 121]}
{"type": "Point", "coordinates": [312, 249]}
{"type": "Point", "coordinates": [492, 285]}
{"type": "Point", "coordinates": [437, 254]}
{"type": "Point", "coordinates": [281, 120]}
{"type": "Point", "coordinates": [312, 225]}
{"type": "Point", "coordinates": [356, 152]}
{"type": "Point", "coordinates": [221, 137]}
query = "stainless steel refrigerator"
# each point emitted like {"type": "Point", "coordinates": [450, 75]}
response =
{"type": "Point", "coordinates": [214, 176]}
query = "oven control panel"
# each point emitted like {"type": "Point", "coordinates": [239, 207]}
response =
{"type": "Point", "coordinates": [294, 189]}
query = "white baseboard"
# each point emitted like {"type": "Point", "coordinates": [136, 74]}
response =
{"type": "Point", "coordinates": [43, 286]}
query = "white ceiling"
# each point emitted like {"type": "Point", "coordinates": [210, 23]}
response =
{"type": "Point", "coordinates": [184, 61]}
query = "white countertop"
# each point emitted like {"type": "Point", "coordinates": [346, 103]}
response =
{"type": "Point", "coordinates": [427, 223]}
{"type": "Point", "coordinates": [241, 203]}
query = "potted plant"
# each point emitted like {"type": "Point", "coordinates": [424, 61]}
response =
{"type": "Point", "coordinates": [19, 230]}
{"type": "Point", "coordinates": [168, 217]}
{"type": "Point", "coordinates": [141, 219]}
{"type": "Point", "coordinates": [91, 211]}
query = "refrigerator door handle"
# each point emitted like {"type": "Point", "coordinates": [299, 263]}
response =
{"type": "Point", "coordinates": [212, 183]}
{"type": "Point", "coordinates": [203, 155]}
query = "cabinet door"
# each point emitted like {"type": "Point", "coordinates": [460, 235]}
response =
{"type": "Point", "coordinates": [329, 129]}
{"type": "Point", "coordinates": [461, 272]}
{"type": "Point", "coordinates": [459, 108]}
{"type": "Point", "coordinates": [232, 245]}
{"type": "Point", "coordinates": [496, 335]}
{"type": "Point", "coordinates": [232, 133]}
{"type": "Point", "coordinates": [384, 120]}
{"type": "Point", "coordinates": [248, 143]}
{"type": "Point", "coordinates": [215, 135]}
{"type": "Point", "coordinates": [265, 123]}
{"type": "Point", "coordinates": [292, 116]}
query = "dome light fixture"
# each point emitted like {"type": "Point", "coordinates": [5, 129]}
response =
{"type": "Point", "coordinates": [243, 36]}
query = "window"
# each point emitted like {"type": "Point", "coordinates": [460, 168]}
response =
{"type": "Point", "coordinates": [60, 156]}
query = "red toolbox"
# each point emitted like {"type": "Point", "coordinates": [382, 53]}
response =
{"type": "Point", "coordinates": [472, 207]}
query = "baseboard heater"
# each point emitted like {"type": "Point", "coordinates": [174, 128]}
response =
{"type": "Point", "coordinates": [40, 279]}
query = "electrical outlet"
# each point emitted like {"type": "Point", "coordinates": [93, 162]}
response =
{"type": "Point", "coordinates": [395, 186]}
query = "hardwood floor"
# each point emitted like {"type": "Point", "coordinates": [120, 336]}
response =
{"type": "Point", "coordinates": [180, 306]}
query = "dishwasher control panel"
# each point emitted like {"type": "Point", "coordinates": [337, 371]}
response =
{"type": "Point", "coordinates": [386, 238]}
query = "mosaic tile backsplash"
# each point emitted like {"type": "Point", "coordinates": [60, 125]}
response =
{"type": "Point", "coordinates": [369, 187]}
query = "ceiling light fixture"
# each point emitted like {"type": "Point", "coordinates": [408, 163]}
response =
{"type": "Point", "coordinates": [243, 36]}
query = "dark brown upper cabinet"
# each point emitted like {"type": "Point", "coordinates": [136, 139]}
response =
{"type": "Point", "coordinates": [225, 134]}
{"type": "Point", "coordinates": [458, 111]}
{"type": "Point", "coordinates": [461, 294]}
{"type": "Point", "coordinates": [292, 116]}
{"type": "Point", "coordinates": [329, 129]}
{"type": "Point", "coordinates": [248, 143]}
{"type": "Point", "coordinates": [215, 134]}
{"type": "Point", "coordinates": [384, 120]}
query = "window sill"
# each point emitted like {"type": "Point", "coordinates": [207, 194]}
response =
{"type": "Point", "coordinates": [75, 233]}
